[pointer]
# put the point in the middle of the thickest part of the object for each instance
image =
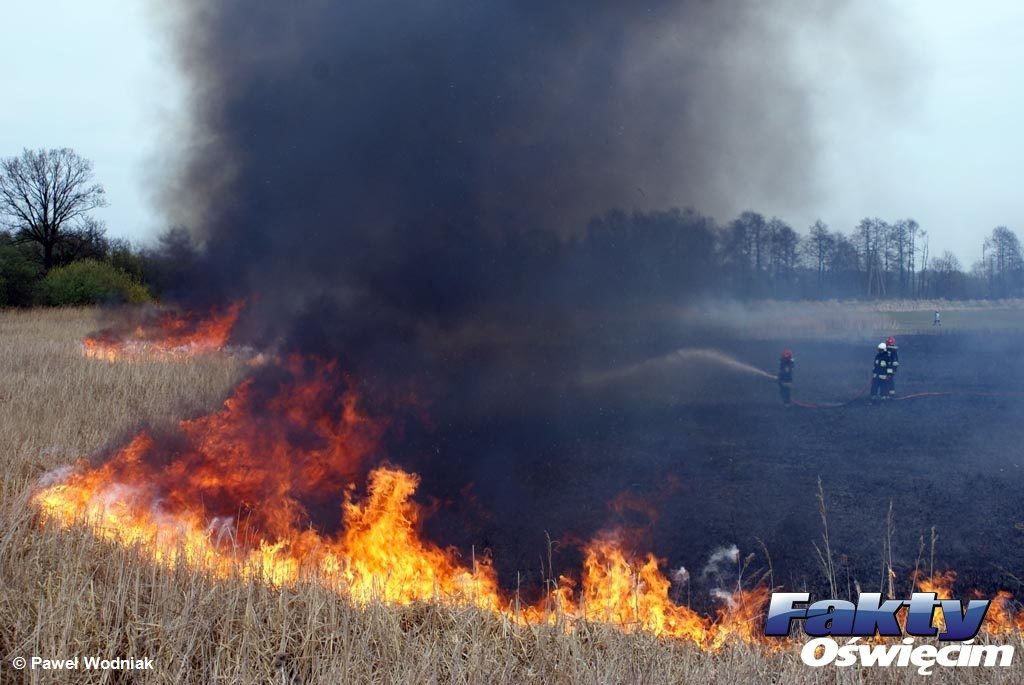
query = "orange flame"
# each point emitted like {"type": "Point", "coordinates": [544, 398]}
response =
{"type": "Point", "coordinates": [253, 490]}
{"type": "Point", "coordinates": [1000, 619]}
{"type": "Point", "coordinates": [941, 583]}
{"type": "Point", "coordinates": [171, 337]}
{"type": "Point", "coordinates": [233, 493]}
{"type": "Point", "coordinates": [633, 593]}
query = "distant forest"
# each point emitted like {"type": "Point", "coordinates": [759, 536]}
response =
{"type": "Point", "coordinates": [659, 256]}
{"type": "Point", "coordinates": [758, 257]}
{"type": "Point", "coordinates": [678, 251]}
{"type": "Point", "coordinates": [54, 251]}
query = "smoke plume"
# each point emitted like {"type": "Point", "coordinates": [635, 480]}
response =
{"type": "Point", "coordinates": [362, 166]}
{"type": "Point", "coordinates": [403, 186]}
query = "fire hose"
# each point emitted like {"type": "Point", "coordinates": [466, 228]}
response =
{"type": "Point", "coordinates": [901, 398]}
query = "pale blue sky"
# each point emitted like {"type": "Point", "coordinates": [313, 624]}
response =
{"type": "Point", "coordinates": [945, 145]}
{"type": "Point", "coordinates": [939, 140]}
{"type": "Point", "coordinates": [92, 75]}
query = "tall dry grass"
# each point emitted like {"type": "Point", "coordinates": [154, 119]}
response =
{"type": "Point", "coordinates": [64, 593]}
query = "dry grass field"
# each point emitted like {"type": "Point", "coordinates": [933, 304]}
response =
{"type": "Point", "coordinates": [63, 593]}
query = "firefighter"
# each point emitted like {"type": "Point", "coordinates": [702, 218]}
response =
{"type": "Point", "coordinates": [786, 364]}
{"type": "Point", "coordinates": [937, 321]}
{"type": "Point", "coordinates": [880, 374]}
{"type": "Point", "coordinates": [894, 364]}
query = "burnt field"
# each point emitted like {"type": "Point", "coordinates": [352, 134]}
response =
{"type": "Point", "coordinates": [692, 455]}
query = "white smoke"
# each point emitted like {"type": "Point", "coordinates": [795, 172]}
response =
{"type": "Point", "coordinates": [681, 576]}
{"type": "Point", "coordinates": [723, 571]}
{"type": "Point", "coordinates": [723, 595]}
{"type": "Point", "coordinates": [721, 561]}
{"type": "Point", "coordinates": [57, 475]}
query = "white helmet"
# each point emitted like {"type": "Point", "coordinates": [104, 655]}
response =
{"type": "Point", "coordinates": [881, 346]}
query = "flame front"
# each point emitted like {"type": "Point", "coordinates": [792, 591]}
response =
{"type": "Point", "coordinates": [1001, 619]}
{"type": "Point", "coordinates": [253, 490]}
{"type": "Point", "coordinates": [633, 593]}
{"type": "Point", "coordinates": [173, 336]}
{"type": "Point", "coordinates": [234, 493]}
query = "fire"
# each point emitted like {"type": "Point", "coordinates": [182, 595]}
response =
{"type": "Point", "coordinates": [633, 593]}
{"type": "Point", "coordinates": [381, 555]}
{"type": "Point", "coordinates": [172, 336]}
{"type": "Point", "coordinates": [268, 488]}
{"type": "Point", "coordinates": [252, 490]}
{"type": "Point", "coordinates": [1001, 619]}
{"type": "Point", "coordinates": [941, 583]}
{"type": "Point", "coordinates": [232, 493]}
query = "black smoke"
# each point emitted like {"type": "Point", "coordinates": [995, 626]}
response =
{"type": "Point", "coordinates": [411, 187]}
{"type": "Point", "coordinates": [378, 163]}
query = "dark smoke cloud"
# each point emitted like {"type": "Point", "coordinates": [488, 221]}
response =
{"type": "Point", "coordinates": [396, 184]}
{"type": "Point", "coordinates": [352, 162]}
{"type": "Point", "coordinates": [495, 111]}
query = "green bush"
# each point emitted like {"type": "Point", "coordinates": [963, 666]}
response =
{"type": "Point", "coordinates": [19, 276]}
{"type": "Point", "coordinates": [88, 281]}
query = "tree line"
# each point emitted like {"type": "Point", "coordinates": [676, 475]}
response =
{"type": "Point", "coordinates": [754, 256]}
{"type": "Point", "coordinates": [54, 251]}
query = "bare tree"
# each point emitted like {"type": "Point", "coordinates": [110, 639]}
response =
{"type": "Point", "coordinates": [923, 280]}
{"type": "Point", "coordinates": [903, 233]}
{"type": "Point", "coordinates": [86, 240]}
{"type": "Point", "coordinates": [872, 235]}
{"type": "Point", "coordinates": [947, 276]}
{"type": "Point", "coordinates": [1004, 261]}
{"type": "Point", "coordinates": [44, 194]}
{"type": "Point", "coordinates": [915, 231]}
{"type": "Point", "coordinates": [817, 247]}
{"type": "Point", "coordinates": [741, 249]}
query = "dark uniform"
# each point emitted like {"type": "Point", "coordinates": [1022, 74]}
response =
{"type": "Point", "coordinates": [894, 366]}
{"type": "Point", "coordinates": [786, 364]}
{"type": "Point", "coordinates": [880, 376]}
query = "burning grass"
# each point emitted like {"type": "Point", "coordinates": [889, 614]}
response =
{"type": "Point", "coordinates": [111, 588]}
{"type": "Point", "coordinates": [229, 493]}
{"type": "Point", "coordinates": [165, 335]}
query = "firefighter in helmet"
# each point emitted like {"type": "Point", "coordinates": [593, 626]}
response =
{"type": "Point", "coordinates": [786, 364]}
{"type": "Point", "coordinates": [880, 374]}
{"type": "Point", "coordinates": [894, 364]}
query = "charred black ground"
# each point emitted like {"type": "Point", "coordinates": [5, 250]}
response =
{"type": "Point", "coordinates": [721, 461]}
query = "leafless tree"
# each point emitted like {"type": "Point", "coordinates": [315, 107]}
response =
{"type": "Point", "coordinates": [947, 276]}
{"type": "Point", "coordinates": [1004, 261]}
{"type": "Point", "coordinates": [903, 233]}
{"type": "Point", "coordinates": [871, 234]}
{"type": "Point", "coordinates": [45, 194]}
{"type": "Point", "coordinates": [817, 247]}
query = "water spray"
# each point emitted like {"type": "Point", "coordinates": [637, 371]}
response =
{"type": "Point", "coordinates": [681, 356]}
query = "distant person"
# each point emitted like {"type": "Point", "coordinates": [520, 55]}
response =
{"type": "Point", "coordinates": [786, 365]}
{"type": "Point", "coordinates": [880, 374]}
{"type": "Point", "coordinates": [937, 321]}
{"type": "Point", "coordinates": [894, 364]}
